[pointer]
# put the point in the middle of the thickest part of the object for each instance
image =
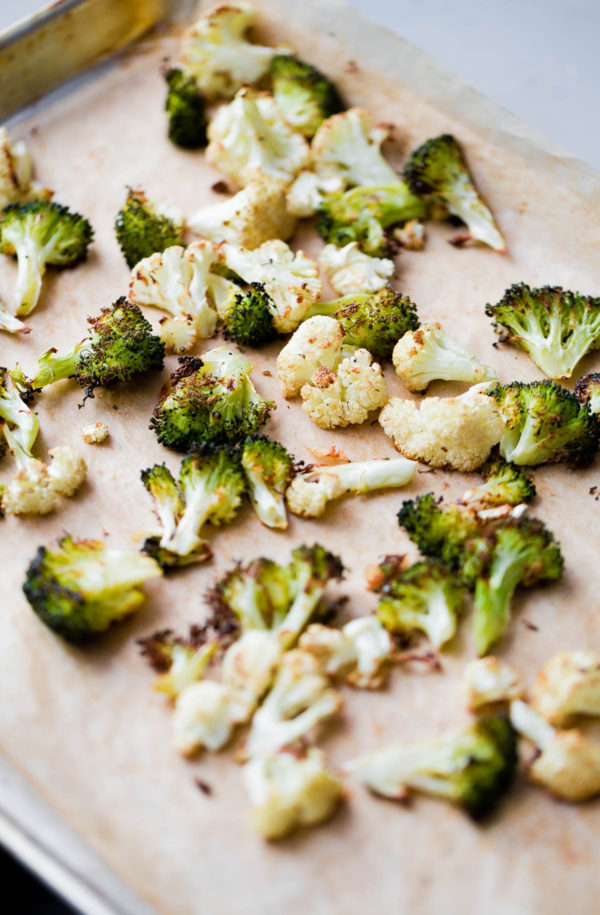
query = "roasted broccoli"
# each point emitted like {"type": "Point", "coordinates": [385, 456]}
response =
{"type": "Point", "coordinates": [41, 233]}
{"type": "Point", "coordinates": [439, 529]}
{"type": "Point", "coordinates": [587, 391]}
{"type": "Point", "coordinates": [186, 108]}
{"type": "Point", "coordinates": [429, 354]}
{"type": "Point", "coordinates": [374, 322]}
{"type": "Point", "coordinates": [212, 486]}
{"type": "Point", "coordinates": [437, 171]}
{"type": "Point", "coordinates": [426, 597]}
{"type": "Point", "coordinates": [269, 469]}
{"type": "Point", "coordinates": [121, 345]}
{"type": "Point", "coordinates": [556, 327]}
{"type": "Point", "coordinates": [471, 766]}
{"type": "Point", "coordinates": [505, 484]}
{"type": "Point", "coordinates": [178, 661]}
{"type": "Point", "coordinates": [83, 587]}
{"type": "Point", "coordinates": [209, 400]}
{"type": "Point", "coordinates": [362, 214]}
{"type": "Point", "coordinates": [145, 226]}
{"type": "Point", "coordinates": [249, 319]}
{"type": "Point", "coordinates": [304, 94]}
{"type": "Point", "coordinates": [545, 423]}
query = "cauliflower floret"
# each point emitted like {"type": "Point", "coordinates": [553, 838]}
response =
{"type": "Point", "coordinates": [29, 493]}
{"type": "Point", "coordinates": [256, 214]}
{"type": "Point", "coordinates": [568, 684]}
{"type": "Point", "coordinates": [457, 432]}
{"type": "Point", "coordinates": [568, 762]}
{"type": "Point", "coordinates": [176, 280]}
{"type": "Point", "coordinates": [287, 792]}
{"type": "Point", "coordinates": [249, 667]}
{"type": "Point", "coordinates": [345, 396]}
{"type": "Point", "coordinates": [217, 54]}
{"type": "Point", "coordinates": [359, 653]}
{"type": "Point", "coordinates": [428, 354]}
{"type": "Point", "coordinates": [204, 716]}
{"type": "Point", "coordinates": [291, 279]}
{"type": "Point", "coordinates": [350, 270]}
{"type": "Point", "coordinates": [309, 499]}
{"type": "Point", "coordinates": [317, 342]}
{"type": "Point", "coordinates": [306, 192]}
{"type": "Point", "coordinates": [10, 323]}
{"type": "Point", "coordinates": [95, 433]}
{"type": "Point", "coordinates": [67, 470]}
{"type": "Point", "coordinates": [249, 138]}
{"type": "Point", "coordinates": [489, 680]}
{"type": "Point", "coordinates": [347, 146]}
{"type": "Point", "coordinates": [16, 171]}
{"type": "Point", "coordinates": [411, 235]}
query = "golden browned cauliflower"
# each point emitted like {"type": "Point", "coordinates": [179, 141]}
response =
{"type": "Point", "coordinates": [317, 342]}
{"type": "Point", "coordinates": [345, 396]}
{"type": "Point", "coordinates": [568, 684]}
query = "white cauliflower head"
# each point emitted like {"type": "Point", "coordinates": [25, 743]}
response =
{"type": "Point", "coordinates": [204, 716]}
{"type": "Point", "coordinates": [457, 432]}
{"type": "Point", "coordinates": [249, 138]}
{"type": "Point", "coordinates": [306, 192]}
{"type": "Point", "coordinates": [351, 271]}
{"type": "Point", "coordinates": [249, 667]}
{"type": "Point", "coordinates": [359, 653]}
{"type": "Point", "coordinates": [346, 396]}
{"type": "Point", "coordinates": [309, 498]}
{"type": "Point", "coordinates": [217, 54]}
{"type": "Point", "coordinates": [67, 470]}
{"type": "Point", "coordinates": [255, 214]}
{"type": "Point", "coordinates": [95, 433]}
{"type": "Point", "coordinates": [411, 235]}
{"type": "Point", "coordinates": [488, 680]}
{"type": "Point", "coordinates": [16, 171]}
{"type": "Point", "coordinates": [317, 342]}
{"type": "Point", "coordinates": [29, 493]}
{"type": "Point", "coordinates": [347, 146]}
{"type": "Point", "coordinates": [428, 354]}
{"type": "Point", "coordinates": [568, 684]}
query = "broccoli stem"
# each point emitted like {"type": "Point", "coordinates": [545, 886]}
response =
{"type": "Point", "coordinates": [54, 366]}
{"type": "Point", "coordinates": [493, 596]}
{"type": "Point", "coordinates": [364, 476]}
{"type": "Point", "coordinates": [331, 308]}
{"type": "Point", "coordinates": [464, 201]}
{"type": "Point", "coordinates": [31, 266]}
{"type": "Point", "coordinates": [199, 502]}
{"type": "Point", "coordinates": [268, 505]}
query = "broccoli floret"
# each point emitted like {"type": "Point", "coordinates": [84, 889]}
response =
{"type": "Point", "coordinates": [145, 226]}
{"type": "Point", "coordinates": [269, 469]}
{"type": "Point", "coordinates": [83, 587]}
{"type": "Point", "coordinates": [178, 661]}
{"type": "Point", "coordinates": [187, 111]}
{"type": "Point", "coordinates": [505, 484]}
{"type": "Point", "coordinates": [121, 346]}
{"type": "Point", "coordinates": [471, 766]}
{"type": "Point", "coordinates": [212, 485]}
{"type": "Point", "coordinates": [587, 391]}
{"type": "Point", "coordinates": [281, 599]}
{"type": "Point", "coordinates": [439, 529]}
{"type": "Point", "coordinates": [426, 597]}
{"type": "Point", "coordinates": [437, 171]}
{"type": "Point", "coordinates": [545, 423]}
{"type": "Point", "coordinates": [429, 354]}
{"type": "Point", "coordinates": [209, 400]}
{"type": "Point", "coordinates": [556, 327]}
{"type": "Point", "coordinates": [304, 94]}
{"type": "Point", "coordinates": [364, 213]}
{"type": "Point", "coordinates": [249, 320]}
{"type": "Point", "coordinates": [41, 233]}
{"type": "Point", "coordinates": [375, 322]}
{"type": "Point", "coordinates": [518, 552]}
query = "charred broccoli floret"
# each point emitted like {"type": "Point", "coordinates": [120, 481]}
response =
{"type": "Point", "coordinates": [83, 587]}
{"type": "Point", "coordinates": [41, 233]}
{"type": "Point", "coordinates": [374, 322]}
{"type": "Point", "coordinates": [120, 346]}
{"type": "Point", "coordinates": [587, 391]}
{"type": "Point", "coordinates": [304, 94]}
{"type": "Point", "coordinates": [426, 597]}
{"type": "Point", "coordinates": [178, 661]}
{"type": "Point", "coordinates": [437, 171]}
{"type": "Point", "coordinates": [471, 766]}
{"type": "Point", "coordinates": [212, 485]}
{"type": "Point", "coordinates": [505, 484]}
{"type": "Point", "coordinates": [209, 400]}
{"type": "Point", "coordinates": [439, 529]}
{"type": "Point", "coordinates": [545, 423]}
{"type": "Point", "coordinates": [145, 226]}
{"type": "Point", "coordinates": [269, 468]}
{"type": "Point", "coordinates": [186, 109]}
{"type": "Point", "coordinates": [249, 320]}
{"type": "Point", "coordinates": [362, 214]}
{"type": "Point", "coordinates": [556, 327]}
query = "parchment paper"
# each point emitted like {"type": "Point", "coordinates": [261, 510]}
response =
{"type": "Point", "coordinates": [85, 727]}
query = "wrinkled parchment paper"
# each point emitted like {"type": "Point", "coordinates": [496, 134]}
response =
{"type": "Point", "coordinates": [85, 727]}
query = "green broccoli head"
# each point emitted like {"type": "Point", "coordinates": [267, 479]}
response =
{"type": "Point", "coordinates": [209, 400]}
{"type": "Point", "coordinates": [121, 345]}
{"type": "Point", "coordinates": [556, 327]}
{"type": "Point", "coordinates": [437, 171]}
{"type": "Point", "coordinates": [363, 214]}
{"type": "Point", "coordinates": [186, 109]}
{"type": "Point", "coordinates": [505, 484]}
{"type": "Point", "coordinates": [305, 96]}
{"type": "Point", "coordinates": [249, 321]}
{"type": "Point", "coordinates": [587, 391]}
{"type": "Point", "coordinates": [269, 469]}
{"type": "Point", "coordinates": [440, 530]}
{"type": "Point", "coordinates": [545, 423]}
{"type": "Point", "coordinates": [426, 597]}
{"type": "Point", "coordinates": [143, 227]}
{"type": "Point", "coordinates": [41, 233]}
{"type": "Point", "coordinates": [83, 587]}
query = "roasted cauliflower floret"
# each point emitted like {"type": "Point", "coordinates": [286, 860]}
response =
{"type": "Point", "coordinates": [95, 433]}
{"type": "Point", "coordinates": [317, 342]}
{"type": "Point", "coordinates": [411, 235]}
{"type": "Point", "coordinates": [306, 192]}
{"type": "Point", "coordinates": [203, 717]}
{"type": "Point", "coordinates": [488, 680]}
{"type": "Point", "coordinates": [16, 172]}
{"type": "Point", "coordinates": [360, 653]}
{"type": "Point", "coordinates": [67, 470]}
{"type": "Point", "coordinates": [456, 432]}
{"type": "Point", "coordinates": [350, 270]}
{"type": "Point", "coordinates": [429, 354]}
{"type": "Point", "coordinates": [29, 493]}
{"type": "Point", "coordinates": [568, 684]}
{"type": "Point", "coordinates": [249, 138]}
{"type": "Point", "coordinates": [346, 396]}
{"type": "Point", "coordinates": [347, 146]}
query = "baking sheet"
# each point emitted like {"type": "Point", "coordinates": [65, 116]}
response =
{"type": "Point", "coordinates": [85, 728]}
